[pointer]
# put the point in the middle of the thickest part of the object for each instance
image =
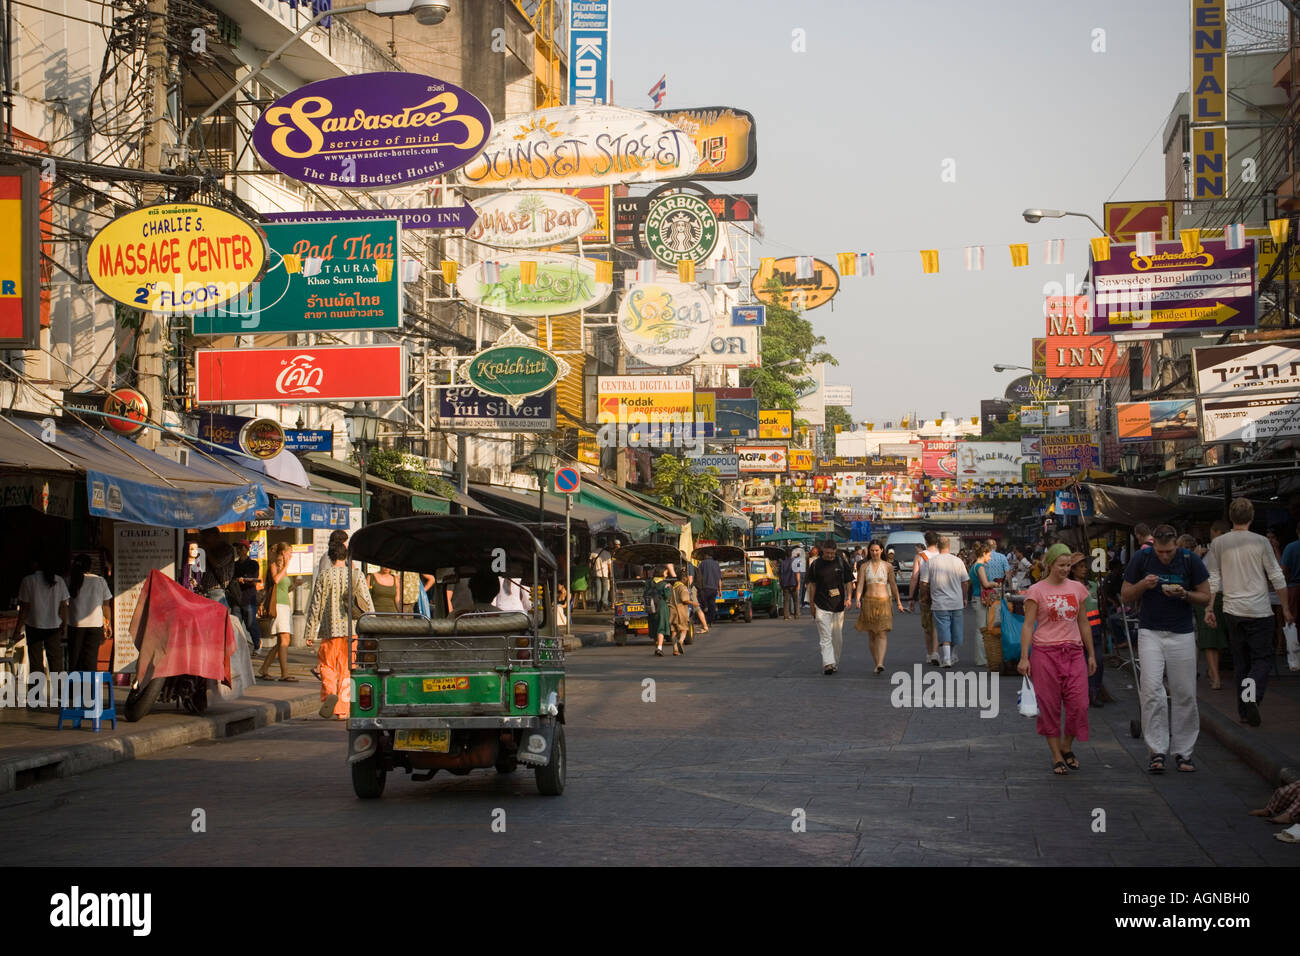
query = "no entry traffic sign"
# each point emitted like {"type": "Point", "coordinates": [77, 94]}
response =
{"type": "Point", "coordinates": [567, 481]}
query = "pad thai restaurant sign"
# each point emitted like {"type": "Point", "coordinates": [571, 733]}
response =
{"type": "Point", "coordinates": [569, 146]}
{"type": "Point", "coordinates": [322, 277]}
{"type": "Point", "coordinates": [372, 130]}
{"type": "Point", "coordinates": [297, 376]}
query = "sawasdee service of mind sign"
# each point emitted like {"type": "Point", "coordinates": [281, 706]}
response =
{"type": "Point", "coordinates": [176, 257]}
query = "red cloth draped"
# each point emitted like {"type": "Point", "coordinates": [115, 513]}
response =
{"type": "Point", "coordinates": [181, 632]}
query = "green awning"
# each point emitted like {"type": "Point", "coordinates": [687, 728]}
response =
{"type": "Point", "coordinates": [423, 504]}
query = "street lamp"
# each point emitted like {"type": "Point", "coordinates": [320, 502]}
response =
{"type": "Point", "coordinates": [542, 461]}
{"type": "Point", "coordinates": [1008, 368]}
{"type": "Point", "coordinates": [1130, 460]}
{"type": "Point", "coordinates": [427, 12]}
{"type": "Point", "coordinates": [365, 431]}
{"type": "Point", "coordinates": [1034, 215]}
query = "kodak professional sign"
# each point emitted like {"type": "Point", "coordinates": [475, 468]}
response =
{"type": "Point", "coordinates": [299, 376]}
{"type": "Point", "coordinates": [176, 257]}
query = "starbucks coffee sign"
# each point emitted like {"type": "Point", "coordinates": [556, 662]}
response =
{"type": "Point", "coordinates": [679, 227]}
{"type": "Point", "coordinates": [513, 368]}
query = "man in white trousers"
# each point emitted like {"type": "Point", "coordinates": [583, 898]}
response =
{"type": "Point", "coordinates": [830, 591]}
{"type": "Point", "coordinates": [1165, 581]}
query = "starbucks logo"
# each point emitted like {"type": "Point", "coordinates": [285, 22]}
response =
{"type": "Point", "coordinates": [680, 227]}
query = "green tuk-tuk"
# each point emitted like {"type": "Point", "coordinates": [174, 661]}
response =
{"type": "Point", "coordinates": [735, 597]}
{"type": "Point", "coordinates": [638, 562]}
{"type": "Point", "coordinates": [765, 576]}
{"type": "Point", "coordinates": [484, 688]}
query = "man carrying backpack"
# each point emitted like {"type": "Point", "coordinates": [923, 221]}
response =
{"type": "Point", "coordinates": [657, 598]}
{"type": "Point", "coordinates": [830, 592]}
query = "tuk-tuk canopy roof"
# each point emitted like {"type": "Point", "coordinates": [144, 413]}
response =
{"type": "Point", "coordinates": [768, 551]}
{"type": "Point", "coordinates": [720, 553]}
{"type": "Point", "coordinates": [639, 554]}
{"type": "Point", "coordinates": [423, 543]}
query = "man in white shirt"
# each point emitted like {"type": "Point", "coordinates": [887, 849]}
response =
{"type": "Point", "coordinates": [946, 580]}
{"type": "Point", "coordinates": [919, 561]}
{"type": "Point", "coordinates": [1242, 565]}
{"type": "Point", "coordinates": [513, 596]}
{"type": "Point", "coordinates": [604, 565]}
{"type": "Point", "coordinates": [43, 617]}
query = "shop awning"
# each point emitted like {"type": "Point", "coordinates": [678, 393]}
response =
{"type": "Point", "coordinates": [293, 506]}
{"type": "Point", "coordinates": [520, 504]}
{"type": "Point", "coordinates": [127, 482]}
{"type": "Point", "coordinates": [351, 475]}
{"type": "Point", "coordinates": [339, 489]}
{"type": "Point", "coordinates": [1129, 506]}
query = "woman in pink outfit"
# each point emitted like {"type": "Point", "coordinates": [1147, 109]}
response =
{"type": "Point", "coordinates": [1056, 625]}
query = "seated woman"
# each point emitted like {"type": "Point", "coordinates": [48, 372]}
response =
{"type": "Point", "coordinates": [1283, 807]}
{"type": "Point", "coordinates": [483, 588]}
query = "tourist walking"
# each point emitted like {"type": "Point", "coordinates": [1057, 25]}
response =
{"type": "Point", "coordinates": [90, 615]}
{"type": "Point", "coordinates": [921, 559]}
{"type": "Point", "coordinates": [877, 585]}
{"type": "Point", "coordinates": [1164, 582]}
{"type": "Point", "coordinates": [945, 580]}
{"type": "Point", "coordinates": [710, 582]}
{"type": "Point", "coordinates": [333, 596]}
{"type": "Point", "coordinates": [603, 569]}
{"type": "Point", "coordinates": [657, 598]}
{"type": "Point", "coordinates": [830, 583]}
{"type": "Point", "coordinates": [1057, 641]}
{"type": "Point", "coordinates": [247, 572]}
{"type": "Point", "coordinates": [276, 606]}
{"type": "Point", "coordinates": [1079, 571]}
{"type": "Point", "coordinates": [1242, 565]}
{"type": "Point", "coordinates": [791, 582]}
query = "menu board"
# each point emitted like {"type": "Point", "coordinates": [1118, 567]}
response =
{"type": "Point", "coordinates": [137, 550]}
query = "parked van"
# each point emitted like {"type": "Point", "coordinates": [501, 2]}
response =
{"type": "Point", "coordinates": [905, 545]}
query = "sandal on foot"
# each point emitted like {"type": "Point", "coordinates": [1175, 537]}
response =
{"type": "Point", "coordinates": [327, 705]}
{"type": "Point", "coordinates": [659, 652]}
{"type": "Point", "coordinates": [1060, 769]}
{"type": "Point", "coordinates": [1157, 764]}
{"type": "Point", "coordinates": [1185, 764]}
{"type": "Point", "coordinates": [288, 680]}
{"type": "Point", "coordinates": [1070, 759]}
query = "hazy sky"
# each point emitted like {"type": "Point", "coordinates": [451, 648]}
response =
{"type": "Point", "coordinates": [852, 139]}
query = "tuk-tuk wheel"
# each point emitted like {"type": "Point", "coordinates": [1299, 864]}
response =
{"type": "Point", "coordinates": [368, 778]}
{"type": "Point", "coordinates": [771, 612]}
{"type": "Point", "coordinates": [749, 612]}
{"type": "Point", "coordinates": [550, 779]}
{"type": "Point", "coordinates": [620, 636]}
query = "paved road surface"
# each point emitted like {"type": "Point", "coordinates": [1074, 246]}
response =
{"type": "Point", "coordinates": [744, 731]}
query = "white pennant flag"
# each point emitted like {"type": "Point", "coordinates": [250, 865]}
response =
{"type": "Point", "coordinates": [1235, 235]}
{"type": "Point", "coordinates": [312, 266]}
{"type": "Point", "coordinates": [1146, 244]}
{"type": "Point", "coordinates": [725, 271]}
{"type": "Point", "coordinates": [645, 270]}
{"type": "Point", "coordinates": [411, 269]}
{"type": "Point", "coordinates": [1054, 252]}
{"type": "Point", "coordinates": [491, 272]}
{"type": "Point", "coordinates": [974, 258]}
{"type": "Point", "coordinates": [866, 263]}
{"type": "Point", "coordinates": [803, 267]}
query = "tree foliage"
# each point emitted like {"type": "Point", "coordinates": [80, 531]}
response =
{"type": "Point", "coordinates": [390, 465]}
{"type": "Point", "coordinates": [1002, 431]}
{"type": "Point", "coordinates": [695, 495]}
{"type": "Point", "coordinates": [835, 415]}
{"type": "Point", "coordinates": [787, 337]}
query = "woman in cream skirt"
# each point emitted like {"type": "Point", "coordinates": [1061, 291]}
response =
{"type": "Point", "coordinates": [877, 586]}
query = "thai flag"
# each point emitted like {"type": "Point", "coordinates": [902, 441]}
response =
{"type": "Point", "coordinates": [1236, 236]}
{"type": "Point", "coordinates": [1146, 244]}
{"type": "Point", "coordinates": [803, 267]}
{"type": "Point", "coordinates": [659, 90]}
{"type": "Point", "coordinates": [974, 258]}
{"type": "Point", "coordinates": [491, 272]}
{"type": "Point", "coordinates": [866, 263]}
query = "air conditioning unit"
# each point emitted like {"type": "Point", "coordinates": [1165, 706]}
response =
{"type": "Point", "coordinates": [177, 454]}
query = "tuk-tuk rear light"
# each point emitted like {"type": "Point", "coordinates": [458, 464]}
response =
{"type": "Point", "coordinates": [369, 644]}
{"type": "Point", "coordinates": [523, 642]}
{"type": "Point", "coordinates": [366, 696]}
{"type": "Point", "coordinates": [521, 694]}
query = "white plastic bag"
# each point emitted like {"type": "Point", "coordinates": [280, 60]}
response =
{"type": "Point", "coordinates": [1026, 700]}
{"type": "Point", "coordinates": [1292, 646]}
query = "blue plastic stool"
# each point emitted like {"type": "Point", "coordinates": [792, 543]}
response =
{"type": "Point", "coordinates": [77, 714]}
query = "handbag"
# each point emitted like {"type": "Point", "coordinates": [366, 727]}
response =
{"type": "Point", "coordinates": [1026, 701]}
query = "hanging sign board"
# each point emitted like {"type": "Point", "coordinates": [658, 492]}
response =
{"type": "Point", "coordinates": [1173, 290]}
{"type": "Point", "coordinates": [764, 458]}
{"type": "Point", "coordinates": [680, 226]}
{"type": "Point", "coordinates": [726, 139]}
{"type": "Point", "coordinates": [372, 130]}
{"type": "Point", "coordinates": [1250, 418]}
{"type": "Point", "coordinates": [562, 284]}
{"type": "Point", "coordinates": [665, 324]}
{"type": "Point", "coordinates": [569, 146]}
{"type": "Point", "coordinates": [468, 409]}
{"type": "Point", "coordinates": [530, 219]}
{"type": "Point", "coordinates": [175, 257]}
{"type": "Point", "coordinates": [513, 368]}
{"type": "Point", "coordinates": [336, 373]}
{"type": "Point", "coordinates": [809, 293]}
{"type": "Point", "coordinates": [1247, 368]}
{"type": "Point", "coordinates": [1157, 421]}
{"type": "Point", "coordinates": [20, 255]}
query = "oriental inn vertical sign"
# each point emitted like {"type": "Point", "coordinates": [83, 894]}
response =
{"type": "Point", "coordinates": [1209, 99]}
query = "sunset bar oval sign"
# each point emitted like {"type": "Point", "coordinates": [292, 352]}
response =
{"type": "Point", "coordinates": [514, 368]}
{"type": "Point", "coordinates": [530, 219]}
{"type": "Point", "coordinates": [372, 130]}
{"type": "Point", "coordinates": [176, 257]}
{"type": "Point", "coordinates": [571, 146]}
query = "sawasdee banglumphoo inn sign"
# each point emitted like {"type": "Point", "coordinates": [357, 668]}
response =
{"type": "Point", "coordinates": [323, 277]}
{"type": "Point", "coordinates": [513, 368]}
{"type": "Point", "coordinates": [372, 130]}
{"type": "Point", "coordinates": [176, 257]}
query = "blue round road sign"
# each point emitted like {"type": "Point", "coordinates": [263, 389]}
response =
{"type": "Point", "coordinates": [567, 481]}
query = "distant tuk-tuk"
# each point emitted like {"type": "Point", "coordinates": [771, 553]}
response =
{"type": "Point", "coordinates": [639, 562]}
{"type": "Point", "coordinates": [735, 596]}
{"type": "Point", "coordinates": [765, 576]}
{"type": "Point", "coordinates": [483, 688]}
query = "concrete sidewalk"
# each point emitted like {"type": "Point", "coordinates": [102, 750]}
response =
{"type": "Point", "coordinates": [33, 750]}
{"type": "Point", "coordinates": [1272, 749]}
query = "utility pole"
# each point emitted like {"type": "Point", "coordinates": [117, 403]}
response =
{"type": "Point", "coordinates": [149, 362]}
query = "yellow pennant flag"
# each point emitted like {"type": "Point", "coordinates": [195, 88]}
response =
{"type": "Point", "coordinates": [604, 270]}
{"type": "Point", "coordinates": [938, 421]}
{"type": "Point", "coordinates": [528, 271]}
{"type": "Point", "coordinates": [685, 270]}
{"type": "Point", "coordinates": [929, 260]}
{"type": "Point", "coordinates": [766, 266]}
{"type": "Point", "coordinates": [903, 423]}
{"type": "Point", "coordinates": [870, 425]}
{"type": "Point", "coordinates": [1100, 248]}
{"type": "Point", "coordinates": [1279, 228]}
{"type": "Point", "coordinates": [1020, 254]}
{"type": "Point", "coordinates": [1191, 240]}
{"type": "Point", "coordinates": [848, 263]}
{"type": "Point", "coordinates": [292, 263]}
{"type": "Point", "coordinates": [974, 420]}
{"type": "Point", "coordinates": [838, 429]}
{"type": "Point", "coordinates": [448, 271]}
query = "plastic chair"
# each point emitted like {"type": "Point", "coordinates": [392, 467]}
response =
{"type": "Point", "coordinates": [77, 714]}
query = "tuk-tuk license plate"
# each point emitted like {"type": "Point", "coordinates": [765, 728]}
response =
{"type": "Point", "coordinates": [635, 609]}
{"type": "Point", "coordinates": [436, 741]}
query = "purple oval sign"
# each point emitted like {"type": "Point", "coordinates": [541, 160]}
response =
{"type": "Point", "coordinates": [372, 130]}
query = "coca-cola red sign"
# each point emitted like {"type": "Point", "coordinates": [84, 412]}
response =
{"type": "Point", "coordinates": [300, 375]}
